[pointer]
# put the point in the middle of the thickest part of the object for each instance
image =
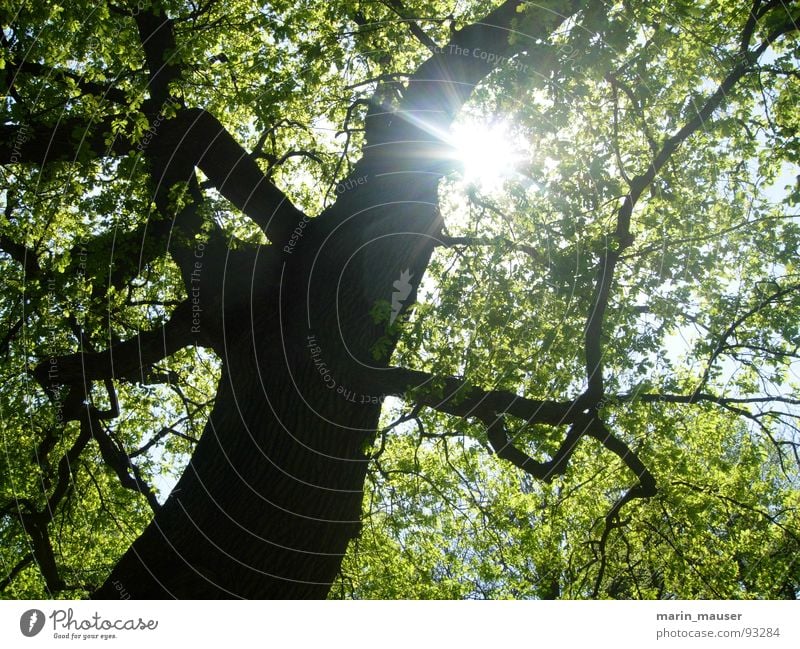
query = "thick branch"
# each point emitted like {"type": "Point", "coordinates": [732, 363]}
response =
{"type": "Point", "coordinates": [445, 81]}
{"type": "Point", "coordinates": [42, 550]}
{"type": "Point", "coordinates": [120, 462]}
{"type": "Point", "coordinates": [546, 471]}
{"type": "Point", "coordinates": [158, 437]}
{"type": "Point", "coordinates": [460, 399]}
{"type": "Point", "coordinates": [129, 359]}
{"type": "Point", "coordinates": [440, 86]}
{"type": "Point", "coordinates": [647, 483]}
{"type": "Point", "coordinates": [156, 32]}
{"type": "Point", "coordinates": [200, 139]}
{"type": "Point", "coordinates": [194, 137]}
{"type": "Point", "coordinates": [646, 487]}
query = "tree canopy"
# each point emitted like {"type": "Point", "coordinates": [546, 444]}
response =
{"type": "Point", "coordinates": [265, 333]}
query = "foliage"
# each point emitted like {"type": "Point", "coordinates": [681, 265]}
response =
{"type": "Point", "coordinates": [700, 334]}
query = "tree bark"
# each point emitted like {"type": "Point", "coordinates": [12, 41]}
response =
{"type": "Point", "coordinates": [272, 495]}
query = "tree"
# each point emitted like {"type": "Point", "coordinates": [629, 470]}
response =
{"type": "Point", "coordinates": [581, 381]}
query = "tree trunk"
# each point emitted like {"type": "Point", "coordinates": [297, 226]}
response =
{"type": "Point", "coordinates": [273, 492]}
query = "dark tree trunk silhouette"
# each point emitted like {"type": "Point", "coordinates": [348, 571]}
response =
{"type": "Point", "coordinates": [272, 494]}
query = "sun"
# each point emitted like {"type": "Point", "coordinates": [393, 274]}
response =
{"type": "Point", "coordinates": [488, 153]}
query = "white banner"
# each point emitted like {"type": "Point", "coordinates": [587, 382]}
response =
{"type": "Point", "coordinates": [351, 625]}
